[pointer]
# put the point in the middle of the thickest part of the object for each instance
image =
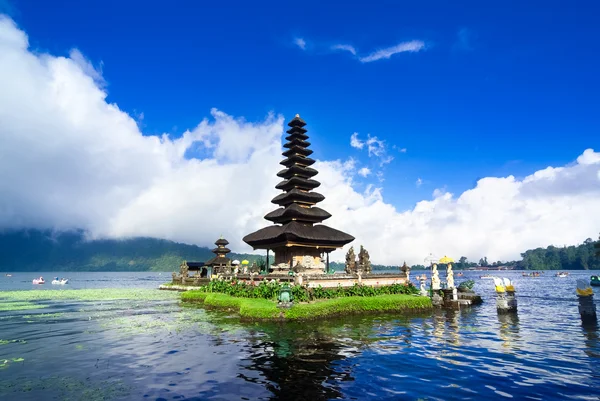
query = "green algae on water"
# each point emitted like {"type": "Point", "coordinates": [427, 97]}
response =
{"type": "Point", "coordinates": [64, 388]}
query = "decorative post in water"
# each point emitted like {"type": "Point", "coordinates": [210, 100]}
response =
{"type": "Point", "coordinates": [506, 302]}
{"type": "Point", "coordinates": [435, 286]}
{"type": "Point", "coordinates": [587, 308]}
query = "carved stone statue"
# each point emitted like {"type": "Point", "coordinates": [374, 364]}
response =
{"type": "Point", "coordinates": [435, 278]}
{"type": "Point", "coordinates": [422, 289]}
{"type": "Point", "coordinates": [449, 276]}
{"type": "Point", "coordinates": [350, 261]}
{"type": "Point", "coordinates": [299, 268]}
{"type": "Point", "coordinates": [364, 264]}
{"type": "Point", "coordinates": [184, 268]}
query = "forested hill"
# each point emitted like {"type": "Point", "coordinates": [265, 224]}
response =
{"type": "Point", "coordinates": [34, 250]}
{"type": "Point", "coordinates": [584, 256]}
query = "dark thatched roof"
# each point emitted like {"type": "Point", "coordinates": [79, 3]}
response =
{"type": "Point", "coordinates": [295, 211]}
{"type": "Point", "coordinates": [221, 250]}
{"type": "Point", "coordinates": [304, 172]}
{"type": "Point", "coordinates": [297, 195]}
{"type": "Point", "coordinates": [217, 260]}
{"type": "Point", "coordinates": [297, 122]}
{"type": "Point", "coordinates": [296, 130]}
{"type": "Point", "coordinates": [195, 265]}
{"type": "Point", "coordinates": [296, 135]}
{"type": "Point", "coordinates": [296, 142]}
{"type": "Point", "coordinates": [297, 182]}
{"type": "Point", "coordinates": [297, 159]}
{"type": "Point", "coordinates": [222, 241]}
{"type": "Point", "coordinates": [295, 232]}
{"type": "Point", "coordinates": [297, 150]}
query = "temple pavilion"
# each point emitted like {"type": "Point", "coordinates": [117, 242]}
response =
{"type": "Point", "coordinates": [297, 238]}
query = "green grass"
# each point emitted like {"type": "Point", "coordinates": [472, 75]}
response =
{"type": "Point", "coordinates": [263, 309]}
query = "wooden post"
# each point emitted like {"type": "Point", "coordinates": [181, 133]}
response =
{"type": "Point", "coordinates": [267, 262]}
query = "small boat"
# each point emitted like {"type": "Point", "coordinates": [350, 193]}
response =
{"type": "Point", "coordinates": [459, 274]}
{"type": "Point", "coordinates": [562, 274]}
{"type": "Point", "coordinates": [595, 281]}
{"type": "Point", "coordinates": [486, 276]}
{"type": "Point", "coordinates": [8, 275]}
{"type": "Point", "coordinates": [38, 281]}
{"type": "Point", "coordinates": [62, 281]}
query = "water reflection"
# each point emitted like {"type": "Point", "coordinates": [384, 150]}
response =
{"type": "Point", "coordinates": [591, 339]}
{"type": "Point", "coordinates": [509, 329]}
{"type": "Point", "coordinates": [297, 363]}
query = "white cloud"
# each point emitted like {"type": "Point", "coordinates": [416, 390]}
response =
{"type": "Point", "coordinates": [347, 48]}
{"type": "Point", "coordinates": [87, 67]}
{"type": "Point", "coordinates": [69, 159]}
{"type": "Point", "coordinates": [419, 182]}
{"type": "Point", "coordinates": [364, 172]}
{"type": "Point", "coordinates": [412, 46]}
{"type": "Point", "coordinates": [402, 150]}
{"type": "Point", "coordinates": [301, 43]}
{"type": "Point", "coordinates": [355, 142]}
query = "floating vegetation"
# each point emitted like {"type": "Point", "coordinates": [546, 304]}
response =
{"type": "Point", "coordinates": [12, 306]}
{"type": "Point", "coordinates": [97, 294]}
{"type": "Point", "coordinates": [44, 316]}
{"type": "Point", "coordinates": [4, 363]}
{"type": "Point", "coordinates": [4, 342]}
{"type": "Point", "coordinates": [64, 388]}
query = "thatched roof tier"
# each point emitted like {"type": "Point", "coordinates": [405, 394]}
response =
{"type": "Point", "coordinates": [304, 172]}
{"type": "Point", "coordinates": [221, 241]}
{"type": "Point", "coordinates": [217, 260]}
{"type": "Point", "coordinates": [296, 135]}
{"type": "Point", "coordinates": [298, 234]}
{"type": "Point", "coordinates": [297, 159]}
{"type": "Point", "coordinates": [298, 182]}
{"type": "Point", "coordinates": [299, 213]}
{"type": "Point", "coordinates": [297, 122]}
{"type": "Point", "coordinates": [297, 196]}
{"type": "Point", "coordinates": [296, 142]}
{"type": "Point", "coordinates": [220, 250]}
{"type": "Point", "coordinates": [297, 150]}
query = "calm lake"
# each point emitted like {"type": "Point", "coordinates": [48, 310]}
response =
{"type": "Point", "coordinates": [120, 339]}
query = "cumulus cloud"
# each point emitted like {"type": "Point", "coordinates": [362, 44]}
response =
{"type": "Point", "coordinates": [70, 160]}
{"type": "Point", "coordinates": [364, 172]}
{"type": "Point", "coordinates": [355, 142]}
{"type": "Point", "coordinates": [375, 147]}
{"type": "Point", "coordinates": [301, 43]}
{"type": "Point", "coordinates": [412, 46]}
{"type": "Point", "coordinates": [347, 48]}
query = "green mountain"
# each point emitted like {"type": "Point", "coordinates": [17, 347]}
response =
{"type": "Point", "coordinates": [35, 250]}
{"type": "Point", "coordinates": [45, 250]}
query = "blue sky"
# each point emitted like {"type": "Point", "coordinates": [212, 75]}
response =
{"type": "Point", "coordinates": [498, 88]}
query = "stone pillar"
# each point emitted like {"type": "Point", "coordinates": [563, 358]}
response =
{"type": "Point", "coordinates": [506, 302]}
{"type": "Point", "coordinates": [587, 308]}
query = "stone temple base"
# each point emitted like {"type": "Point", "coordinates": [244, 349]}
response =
{"type": "Point", "coordinates": [312, 280]}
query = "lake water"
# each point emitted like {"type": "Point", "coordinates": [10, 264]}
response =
{"type": "Point", "coordinates": [103, 344]}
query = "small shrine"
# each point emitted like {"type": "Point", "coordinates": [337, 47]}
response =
{"type": "Point", "coordinates": [220, 264]}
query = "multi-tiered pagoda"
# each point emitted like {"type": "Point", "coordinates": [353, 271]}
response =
{"type": "Point", "coordinates": [297, 238]}
{"type": "Point", "coordinates": [221, 259]}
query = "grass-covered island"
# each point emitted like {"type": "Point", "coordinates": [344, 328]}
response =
{"type": "Point", "coordinates": [259, 301]}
